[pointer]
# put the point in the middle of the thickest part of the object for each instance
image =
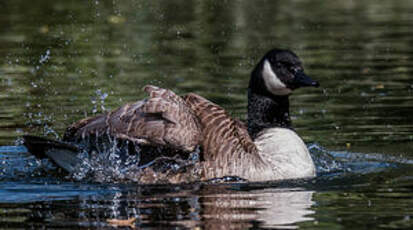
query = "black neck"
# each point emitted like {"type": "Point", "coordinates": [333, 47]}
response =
{"type": "Point", "coordinates": [267, 111]}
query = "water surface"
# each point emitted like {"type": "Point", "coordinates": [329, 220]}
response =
{"type": "Point", "coordinates": [61, 61]}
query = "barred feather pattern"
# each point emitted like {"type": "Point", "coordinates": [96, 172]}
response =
{"type": "Point", "coordinates": [163, 119]}
{"type": "Point", "coordinates": [227, 148]}
{"type": "Point", "coordinates": [183, 123]}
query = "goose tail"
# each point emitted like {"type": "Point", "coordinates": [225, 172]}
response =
{"type": "Point", "coordinates": [63, 154]}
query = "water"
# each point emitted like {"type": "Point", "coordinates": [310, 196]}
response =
{"type": "Point", "coordinates": [61, 61]}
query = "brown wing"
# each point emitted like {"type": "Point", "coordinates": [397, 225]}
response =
{"type": "Point", "coordinates": [162, 119]}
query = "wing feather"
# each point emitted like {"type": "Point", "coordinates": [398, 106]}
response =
{"type": "Point", "coordinates": [163, 119]}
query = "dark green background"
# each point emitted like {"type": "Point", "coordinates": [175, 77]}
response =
{"type": "Point", "coordinates": [61, 61]}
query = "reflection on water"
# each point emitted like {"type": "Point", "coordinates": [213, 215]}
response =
{"type": "Point", "coordinates": [231, 206]}
{"type": "Point", "coordinates": [33, 194]}
{"type": "Point", "coordinates": [270, 207]}
{"type": "Point", "coordinates": [212, 207]}
{"type": "Point", "coordinates": [61, 61]}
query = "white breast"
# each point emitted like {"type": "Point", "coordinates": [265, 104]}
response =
{"type": "Point", "coordinates": [286, 154]}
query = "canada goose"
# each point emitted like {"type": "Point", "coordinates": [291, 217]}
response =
{"type": "Point", "coordinates": [265, 149]}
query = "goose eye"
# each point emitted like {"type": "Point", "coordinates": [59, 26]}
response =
{"type": "Point", "coordinates": [294, 69]}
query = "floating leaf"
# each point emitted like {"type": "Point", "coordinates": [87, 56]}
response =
{"type": "Point", "coordinates": [118, 222]}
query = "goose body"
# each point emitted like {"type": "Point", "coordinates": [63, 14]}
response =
{"type": "Point", "coordinates": [264, 149]}
{"type": "Point", "coordinates": [290, 160]}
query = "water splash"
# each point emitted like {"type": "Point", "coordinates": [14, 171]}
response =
{"type": "Point", "coordinates": [338, 163]}
{"type": "Point", "coordinates": [44, 58]}
{"type": "Point", "coordinates": [324, 161]}
{"type": "Point", "coordinates": [113, 161]}
{"type": "Point", "coordinates": [42, 120]}
{"type": "Point", "coordinates": [98, 101]}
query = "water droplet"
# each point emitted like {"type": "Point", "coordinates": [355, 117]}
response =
{"type": "Point", "coordinates": [44, 58]}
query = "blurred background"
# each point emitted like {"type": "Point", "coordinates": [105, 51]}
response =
{"type": "Point", "coordinates": [61, 61]}
{"type": "Point", "coordinates": [64, 60]}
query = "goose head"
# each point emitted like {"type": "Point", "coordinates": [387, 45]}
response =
{"type": "Point", "coordinates": [279, 73]}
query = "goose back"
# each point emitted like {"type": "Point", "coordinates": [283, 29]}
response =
{"type": "Point", "coordinates": [227, 147]}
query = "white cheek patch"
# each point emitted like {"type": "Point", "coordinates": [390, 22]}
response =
{"type": "Point", "coordinates": [272, 82]}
